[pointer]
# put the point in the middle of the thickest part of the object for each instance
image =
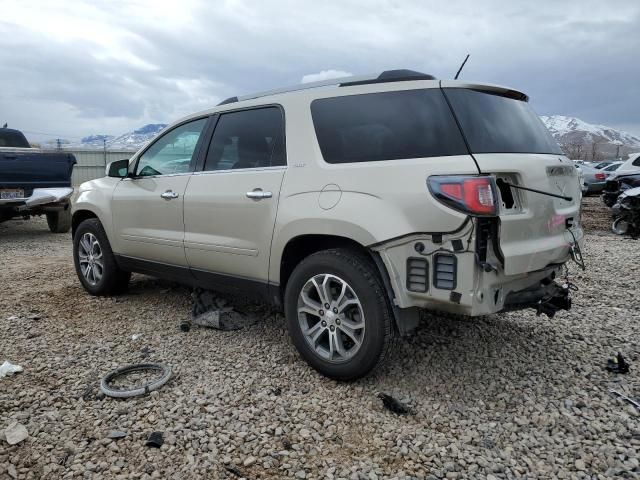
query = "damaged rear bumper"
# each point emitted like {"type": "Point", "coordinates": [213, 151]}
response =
{"type": "Point", "coordinates": [456, 274]}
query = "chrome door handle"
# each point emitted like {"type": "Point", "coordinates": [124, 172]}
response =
{"type": "Point", "coordinates": [169, 195]}
{"type": "Point", "coordinates": [259, 194]}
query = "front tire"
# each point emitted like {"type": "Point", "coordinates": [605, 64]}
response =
{"type": "Point", "coordinates": [338, 314]}
{"type": "Point", "coordinates": [60, 221]}
{"type": "Point", "coordinates": [95, 263]}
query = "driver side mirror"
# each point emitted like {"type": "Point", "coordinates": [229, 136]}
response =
{"type": "Point", "coordinates": [118, 169]}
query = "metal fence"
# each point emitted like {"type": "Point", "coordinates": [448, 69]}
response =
{"type": "Point", "coordinates": [91, 163]}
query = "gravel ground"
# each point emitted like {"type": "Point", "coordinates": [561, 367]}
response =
{"type": "Point", "coordinates": [505, 396]}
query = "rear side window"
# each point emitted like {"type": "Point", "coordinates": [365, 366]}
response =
{"type": "Point", "coordinates": [386, 126]}
{"type": "Point", "coordinates": [496, 124]}
{"type": "Point", "coordinates": [247, 139]}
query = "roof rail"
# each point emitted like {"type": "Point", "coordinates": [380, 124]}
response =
{"type": "Point", "coordinates": [384, 77]}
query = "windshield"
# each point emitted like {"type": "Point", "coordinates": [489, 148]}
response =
{"type": "Point", "coordinates": [495, 124]}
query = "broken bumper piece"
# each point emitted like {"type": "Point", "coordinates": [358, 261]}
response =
{"type": "Point", "coordinates": [546, 298]}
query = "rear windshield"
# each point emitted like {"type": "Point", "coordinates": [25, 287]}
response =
{"type": "Point", "coordinates": [12, 138]}
{"type": "Point", "coordinates": [386, 126]}
{"type": "Point", "coordinates": [495, 124]}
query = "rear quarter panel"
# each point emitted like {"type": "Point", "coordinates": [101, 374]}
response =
{"type": "Point", "coordinates": [368, 202]}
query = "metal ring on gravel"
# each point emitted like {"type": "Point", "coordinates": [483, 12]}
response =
{"type": "Point", "coordinates": [138, 389]}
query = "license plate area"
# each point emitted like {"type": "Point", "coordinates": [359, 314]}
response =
{"type": "Point", "coordinates": [11, 194]}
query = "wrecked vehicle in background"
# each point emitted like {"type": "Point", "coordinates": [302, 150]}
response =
{"type": "Point", "coordinates": [626, 213]}
{"type": "Point", "coordinates": [34, 182]}
{"type": "Point", "coordinates": [615, 186]}
{"type": "Point", "coordinates": [350, 203]}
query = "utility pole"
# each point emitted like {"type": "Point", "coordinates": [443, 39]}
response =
{"type": "Point", "coordinates": [104, 149]}
{"type": "Point", "coordinates": [617, 152]}
{"type": "Point", "coordinates": [59, 144]}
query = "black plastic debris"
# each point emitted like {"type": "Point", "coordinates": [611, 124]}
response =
{"type": "Point", "coordinates": [617, 364]}
{"type": "Point", "coordinates": [211, 311]}
{"type": "Point", "coordinates": [231, 468]}
{"type": "Point", "coordinates": [394, 405]}
{"type": "Point", "coordinates": [155, 440]}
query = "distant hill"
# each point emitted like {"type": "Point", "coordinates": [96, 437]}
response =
{"type": "Point", "coordinates": [136, 139]}
{"type": "Point", "coordinates": [127, 141]}
{"type": "Point", "coordinates": [580, 139]}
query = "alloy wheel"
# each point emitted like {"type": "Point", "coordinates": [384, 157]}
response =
{"type": "Point", "coordinates": [331, 318]}
{"type": "Point", "coordinates": [90, 258]}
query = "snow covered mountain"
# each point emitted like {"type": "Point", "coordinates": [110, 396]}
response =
{"type": "Point", "coordinates": [136, 139]}
{"type": "Point", "coordinates": [571, 130]}
{"type": "Point", "coordinates": [127, 141]}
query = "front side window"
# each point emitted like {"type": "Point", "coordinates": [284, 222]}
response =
{"type": "Point", "coordinates": [495, 124]}
{"type": "Point", "coordinates": [247, 139]}
{"type": "Point", "coordinates": [172, 152]}
{"type": "Point", "coordinates": [386, 126]}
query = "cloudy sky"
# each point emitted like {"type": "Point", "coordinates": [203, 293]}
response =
{"type": "Point", "coordinates": [72, 68]}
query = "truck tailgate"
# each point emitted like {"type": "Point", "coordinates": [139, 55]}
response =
{"type": "Point", "coordinates": [29, 170]}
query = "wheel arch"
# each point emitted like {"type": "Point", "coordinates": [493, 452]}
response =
{"type": "Point", "coordinates": [80, 216]}
{"type": "Point", "coordinates": [301, 246]}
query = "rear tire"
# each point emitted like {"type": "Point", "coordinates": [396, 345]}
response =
{"type": "Point", "coordinates": [355, 334]}
{"type": "Point", "coordinates": [620, 226]}
{"type": "Point", "coordinates": [60, 221]}
{"type": "Point", "coordinates": [95, 262]}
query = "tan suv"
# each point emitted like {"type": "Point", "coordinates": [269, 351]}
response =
{"type": "Point", "coordinates": [351, 204]}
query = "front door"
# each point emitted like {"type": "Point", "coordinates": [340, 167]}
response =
{"type": "Point", "coordinates": [230, 206]}
{"type": "Point", "coordinates": [147, 209]}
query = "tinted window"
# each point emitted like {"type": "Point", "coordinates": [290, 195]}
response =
{"type": "Point", "coordinates": [247, 139]}
{"type": "Point", "coordinates": [172, 152]}
{"type": "Point", "coordinates": [386, 126]}
{"type": "Point", "coordinates": [495, 124]}
{"type": "Point", "coordinates": [636, 162]}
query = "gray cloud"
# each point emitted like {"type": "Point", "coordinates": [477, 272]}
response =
{"type": "Point", "coordinates": [109, 67]}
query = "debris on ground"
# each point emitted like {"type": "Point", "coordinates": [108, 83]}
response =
{"type": "Point", "coordinates": [136, 336]}
{"type": "Point", "coordinates": [115, 434]}
{"type": "Point", "coordinates": [617, 364]}
{"type": "Point", "coordinates": [622, 396]}
{"type": "Point", "coordinates": [211, 311]}
{"type": "Point", "coordinates": [15, 433]}
{"type": "Point", "coordinates": [394, 405]}
{"type": "Point", "coordinates": [155, 440]}
{"type": "Point", "coordinates": [231, 468]}
{"type": "Point", "coordinates": [7, 369]}
{"type": "Point", "coordinates": [117, 383]}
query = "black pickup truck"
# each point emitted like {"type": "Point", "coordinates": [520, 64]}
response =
{"type": "Point", "coordinates": [34, 181]}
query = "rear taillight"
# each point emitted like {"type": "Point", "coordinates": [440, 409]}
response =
{"type": "Point", "coordinates": [475, 195]}
{"type": "Point", "coordinates": [600, 176]}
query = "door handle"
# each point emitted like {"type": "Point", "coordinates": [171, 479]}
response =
{"type": "Point", "coordinates": [169, 195]}
{"type": "Point", "coordinates": [259, 194]}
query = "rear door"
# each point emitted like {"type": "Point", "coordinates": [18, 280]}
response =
{"type": "Point", "coordinates": [147, 210]}
{"type": "Point", "coordinates": [231, 204]}
{"type": "Point", "coordinates": [508, 139]}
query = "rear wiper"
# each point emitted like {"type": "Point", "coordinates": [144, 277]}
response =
{"type": "Point", "coordinates": [563, 197]}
